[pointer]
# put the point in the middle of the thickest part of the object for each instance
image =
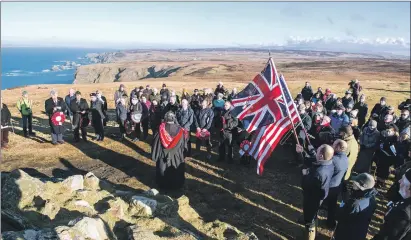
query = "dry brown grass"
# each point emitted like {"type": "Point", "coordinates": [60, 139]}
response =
{"type": "Point", "coordinates": [269, 205]}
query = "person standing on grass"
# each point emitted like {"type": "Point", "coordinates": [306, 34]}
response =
{"type": "Point", "coordinates": [146, 115]}
{"type": "Point", "coordinates": [155, 116]}
{"type": "Point", "coordinates": [340, 161]}
{"type": "Point", "coordinates": [52, 105]}
{"type": "Point", "coordinates": [315, 184]}
{"type": "Point", "coordinates": [79, 107]}
{"type": "Point", "coordinates": [70, 97]}
{"type": "Point", "coordinates": [203, 121]}
{"type": "Point", "coordinates": [5, 124]}
{"type": "Point", "coordinates": [185, 117]}
{"type": "Point", "coordinates": [229, 124]}
{"type": "Point", "coordinates": [362, 110]}
{"type": "Point", "coordinates": [24, 105]}
{"type": "Point", "coordinates": [120, 93]}
{"type": "Point", "coordinates": [155, 96]}
{"type": "Point", "coordinates": [307, 92]}
{"type": "Point", "coordinates": [369, 140]}
{"type": "Point", "coordinates": [356, 213]}
{"type": "Point", "coordinates": [136, 108]}
{"type": "Point", "coordinates": [97, 116]}
{"type": "Point", "coordinates": [121, 113]}
{"type": "Point", "coordinates": [397, 220]}
{"type": "Point", "coordinates": [103, 100]}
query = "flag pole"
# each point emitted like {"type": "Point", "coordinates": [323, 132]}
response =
{"type": "Point", "coordinates": [299, 118]}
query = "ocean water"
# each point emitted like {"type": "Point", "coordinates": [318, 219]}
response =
{"type": "Point", "coordinates": [28, 66]}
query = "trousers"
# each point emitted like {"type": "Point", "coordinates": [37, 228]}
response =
{"type": "Point", "coordinates": [27, 122]}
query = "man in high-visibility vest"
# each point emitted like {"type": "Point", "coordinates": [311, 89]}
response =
{"type": "Point", "coordinates": [24, 105]}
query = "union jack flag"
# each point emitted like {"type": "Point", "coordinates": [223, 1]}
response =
{"type": "Point", "coordinates": [261, 102]}
{"type": "Point", "coordinates": [275, 119]}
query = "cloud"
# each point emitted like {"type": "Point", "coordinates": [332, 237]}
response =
{"type": "Point", "coordinates": [354, 44]}
{"type": "Point", "coordinates": [330, 20]}
{"type": "Point", "coordinates": [357, 17]}
{"type": "Point", "coordinates": [382, 25]}
{"type": "Point", "coordinates": [349, 32]}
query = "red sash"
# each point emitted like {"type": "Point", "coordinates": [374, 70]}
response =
{"type": "Point", "coordinates": [166, 140]}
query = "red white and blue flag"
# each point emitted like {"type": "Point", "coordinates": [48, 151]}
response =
{"type": "Point", "coordinates": [267, 107]}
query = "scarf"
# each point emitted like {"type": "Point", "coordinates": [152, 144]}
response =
{"type": "Point", "coordinates": [166, 140]}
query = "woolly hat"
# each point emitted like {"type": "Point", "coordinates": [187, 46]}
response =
{"type": "Point", "coordinates": [364, 181]}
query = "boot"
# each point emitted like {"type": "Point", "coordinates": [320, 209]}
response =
{"type": "Point", "coordinates": [310, 234]}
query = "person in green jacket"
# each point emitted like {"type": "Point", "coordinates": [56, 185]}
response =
{"type": "Point", "coordinates": [24, 105]}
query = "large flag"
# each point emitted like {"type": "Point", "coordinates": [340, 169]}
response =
{"type": "Point", "coordinates": [275, 119]}
{"type": "Point", "coordinates": [260, 103]}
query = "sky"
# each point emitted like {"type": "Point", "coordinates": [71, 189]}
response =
{"type": "Point", "coordinates": [362, 25]}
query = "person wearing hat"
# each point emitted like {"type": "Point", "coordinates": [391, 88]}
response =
{"type": "Point", "coordinates": [356, 213]}
{"type": "Point", "coordinates": [24, 105]}
{"type": "Point", "coordinates": [339, 118]}
{"type": "Point", "coordinates": [397, 220]}
{"type": "Point", "coordinates": [340, 161]}
{"type": "Point", "coordinates": [97, 117]}
{"type": "Point", "coordinates": [362, 108]}
{"type": "Point", "coordinates": [5, 124]}
{"type": "Point", "coordinates": [220, 89]}
{"type": "Point", "coordinates": [405, 105]}
{"type": "Point", "coordinates": [307, 92]}
{"type": "Point", "coordinates": [70, 97]}
{"type": "Point", "coordinates": [348, 100]}
{"type": "Point", "coordinates": [196, 100]}
{"type": "Point", "coordinates": [147, 91]}
{"type": "Point", "coordinates": [79, 107]}
{"type": "Point", "coordinates": [164, 93]}
{"type": "Point", "coordinates": [369, 140]}
{"type": "Point", "coordinates": [136, 108]}
{"type": "Point", "coordinates": [385, 156]}
{"type": "Point", "coordinates": [168, 153]}
{"type": "Point", "coordinates": [403, 123]}
{"type": "Point", "coordinates": [315, 183]}
{"type": "Point", "coordinates": [52, 105]}
{"type": "Point", "coordinates": [232, 95]}
{"type": "Point", "coordinates": [380, 108]}
{"type": "Point", "coordinates": [346, 134]}
{"type": "Point", "coordinates": [120, 93]}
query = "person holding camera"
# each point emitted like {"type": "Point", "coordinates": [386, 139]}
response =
{"type": "Point", "coordinates": [24, 105]}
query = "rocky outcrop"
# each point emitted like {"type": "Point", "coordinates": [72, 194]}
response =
{"type": "Point", "coordinates": [108, 57]}
{"type": "Point", "coordinates": [85, 207]}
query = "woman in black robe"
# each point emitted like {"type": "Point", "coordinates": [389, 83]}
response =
{"type": "Point", "coordinates": [168, 153]}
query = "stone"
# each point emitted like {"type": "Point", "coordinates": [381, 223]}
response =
{"type": "Point", "coordinates": [12, 218]}
{"type": "Point", "coordinates": [21, 190]}
{"type": "Point", "coordinates": [83, 203]}
{"type": "Point", "coordinates": [251, 236]}
{"type": "Point", "coordinates": [89, 228]}
{"type": "Point", "coordinates": [136, 233]}
{"type": "Point", "coordinates": [74, 183]}
{"type": "Point", "coordinates": [152, 192]}
{"type": "Point", "coordinates": [50, 209]}
{"type": "Point", "coordinates": [117, 208]}
{"type": "Point", "coordinates": [142, 206]}
{"type": "Point", "coordinates": [91, 181]}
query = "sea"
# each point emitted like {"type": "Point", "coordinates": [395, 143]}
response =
{"type": "Point", "coordinates": [30, 66]}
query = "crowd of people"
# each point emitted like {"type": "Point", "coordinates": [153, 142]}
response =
{"type": "Point", "coordinates": [335, 144]}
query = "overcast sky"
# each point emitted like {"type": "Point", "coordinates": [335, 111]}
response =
{"type": "Point", "coordinates": [384, 24]}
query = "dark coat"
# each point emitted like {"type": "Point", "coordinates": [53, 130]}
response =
{"type": "Point", "coordinates": [166, 93]}
{"type": "Point", "coordinates": [186, 97]}
{"type": "Point", "coordinates": [229, 124]}
{"type": "Point", "coordinates": [5, 115]}
{"type": "Point", "coordinates": [68, 99]}
{"type": "Point", "coordinates": [347, 101]}
{"type": "Point", "coordinates": [307, 93]}
{"type": "Point", "coordinates": [49, 109]}
{"type": "Point", "coordinates": [171, 107]}
{"type": "Point", "coordinates": [355, 216]}
{"type": "Point", "coordinates": [121, 113]}
{"type": "Point", "coordinates": [397, 223]}
{"type": "Point", "coordinates": [97, 114]}
{"type": "Point", "coordinates": [221, 90]}
{"type": "Point", "coordinates": [169, 161]}
{"type": "Point", "coordinates": [77, 108]}
{"type": "Point", "coordinates": [381, 111]}
{"type": "Point", "coordinates": [340, 161]}
{"type": "Point", "coordinates": [330, 103]}
{"type": "Point", "coordinates": [156, 97]}
{"type": "Point", "coordinates": [405, 105]}
{"type": "Point", "coordinates": [362, 112]}
{"type": "Point", "coordinates": [307, 122]}
{"type": "Point", "coordinates": [204, 118]}
{"type": "Point", "coordinates": [155, 117]}
{"type": "Point", "coordinates": [403, 124]}
{"type": "Point", "coordinates": [196, 102]}
{"type": "Point", "coordinates": [185, 118]}
{"type": "Point", "coordinates": [369, 139]}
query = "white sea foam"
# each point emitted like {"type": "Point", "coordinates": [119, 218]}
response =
{"type": "Point", "coordinates": [61, 75]}
{"type": "Point", "coordinates": [16, 71]}
{"type": "Point", "coordinates": [46, 70]}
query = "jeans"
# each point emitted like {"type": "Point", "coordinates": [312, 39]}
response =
{"type": "Point", "coordinates": [27, 120]}
{"type": "Point", "coordinates": [56, 137]}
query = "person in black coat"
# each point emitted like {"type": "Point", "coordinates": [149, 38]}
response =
{"type": "Point", "coordinates": [229, 124]}
{"type": "Point", "coordinates": [356, 213]}
{"type": "Point", "coordinates": [397, 221]}
{"type": "Point", "coordinates": [172, 106]}
{"type": "Point", "coordinates": [79, 107]}
{"type": "Point", "coordinates": [340, 161]}
{"type": "Point", "coordinates": [5, 124]}
{"type": "Point", "coordinates": [196, 100]}
{"type": "Point", "coordinates": [136, 107]}
{"type": "Point", "coordinates": [315, 183]}
{"type": "Point", "coordinates": [185, 117]}
{"type": "Point", "coordinates": [380, 108]}
{"type": "Point", "coordinates": [307, 92]}
{"type": "Point", "coordinates": [97, 117]}
{"type": "Point", "coordinates": [121, 113]}
{"type": "Point", "coordinates": [168, 153]}
{"type": "Point", "coordinates": [385, 154]}
{"type": "Point", "coordinates": [362, 111]}
{"type": "Point", "coordinates": [155, 116]}
{"type": "Point", "coordinates": [103, 100]}
{"type": "Point", "coordinates": [203, 121]}
{"type": "Point", "coordinates": [164, 93]}
{"type": "Point", "coordinates": [330, 102]}
{"type": "Point", "coordinates": [403, 123]}
{"type": "Point", "coordinates": [347, 99]}
{"type": "Point", "coordinates": [405, 105]}
{"type": "Point", "coordinates": [52, 105]}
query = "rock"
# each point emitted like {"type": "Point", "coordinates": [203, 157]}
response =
{"type": "Point", "coordinates": [91, 181]}
{"type": "Point", "coordinates": [142, 206]}
{"type": "Point", "coordinates": [17, 221]}
{"type": "Point", "coordinates": [50, 209]}
{"type": "Point", "coordinates": [152, 192]}
{"type": "Point", "coordinates": [31, 234]}
{"type": "Point", "coordinates": [20, 190]}
{"type": "Point", "coordinates": [74, 183]}
{"type": "Point", "coordinates": [251, 236]}
{"type": "Point", "coordinates": [89, 228]}
{"type": "Point", "coordinates": [83, 203]}
{"type": "Point", "coordinates": [136, 233]}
